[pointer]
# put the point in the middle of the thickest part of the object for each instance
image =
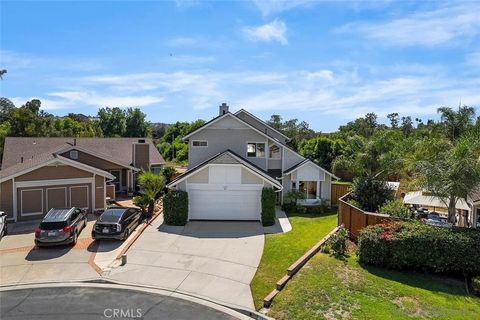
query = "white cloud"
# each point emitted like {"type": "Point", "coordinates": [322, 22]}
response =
{"type": "Point", "coordinates": [47, 104]}
{"type": "Point", "coordinates": [445, 25]}
{"type": "Point", "coordinates": [273, 31]}
{"type": "Point", "coordinates": [105, 100]}
{"type": "Point", "coordinates": [268, 7]}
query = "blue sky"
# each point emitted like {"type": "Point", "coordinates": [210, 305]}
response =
{"type": "Point", "coordinates": [323, 62]}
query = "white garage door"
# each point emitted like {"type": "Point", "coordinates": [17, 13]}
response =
{"type": "Point", "coordinates": [225, 202]}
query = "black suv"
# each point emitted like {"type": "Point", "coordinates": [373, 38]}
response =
{"type": "Point", "coordinates": [117, 223]}
{"type": "Point", "coordinates": [61, 226]}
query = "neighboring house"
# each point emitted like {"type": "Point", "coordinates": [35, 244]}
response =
{"type": "Point", "coordinates": [41, 173]}
{"type": "Point", "coordinates": [470, 208]}
{"type": "Point", "coordinates": [232, 157]}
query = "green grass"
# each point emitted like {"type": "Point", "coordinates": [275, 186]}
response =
{"type": "Point", "coordinates": [342, 182]}
{"type": "Point", "coordinates": [328, 288]}
{"type": "Point", "coordinates": [281, 250]}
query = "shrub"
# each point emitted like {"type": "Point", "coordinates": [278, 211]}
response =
{"type": "Point", "coordinates": [294, 195]}
{"type": "Point", "coordinates": [168, 173]}
{"type": "Point", "coordinates": [396, 208]}
{"type": "Point", "coordinates": [268, 206]}
{"type": "Point", "coordinates": [338, 242]}
{"type": "Point", "coordinates": [175, 208]}
{"type": "Point", "coordinates": [417, 246]}
{"type": "Point", "coordinates": [476, 285]}
{"type": "Point", "coordinates": [370, 193]}
{"type": "Point", "coordinates": [319, 208]}
{"type": "Point", "coordinates": [291, 208]}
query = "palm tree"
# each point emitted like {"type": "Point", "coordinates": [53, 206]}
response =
{"type": "Point", "coordinates": [457, 122]}
{"type": "Point", "coordinates": [453, 173]}
{"type": "Point", "coordinates": [151, 185]}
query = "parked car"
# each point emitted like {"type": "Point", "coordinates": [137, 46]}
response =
{"type": "Point", "coordinates": [116, 223]}
{"type": "Point", "coordinates": [61, 226]}
{"type": "Point", "coordinates": [434, 219]}
{"type": "Point", "coordinates": [3, 224]}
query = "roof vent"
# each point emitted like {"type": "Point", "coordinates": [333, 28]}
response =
{"type": "Point", "coordinates": [141, 140]}
{"type": "Point", "coordinates": [21, 159]}
{"type": "Point", "coordinates": [222, 109]}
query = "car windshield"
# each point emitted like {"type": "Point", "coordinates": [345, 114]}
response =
{"type": "Point", "coordinates": [111, 215]}
{"type": "Point", "coordinates": [433, 217]}
{"type": "Point", "coordinates": [54, 225]}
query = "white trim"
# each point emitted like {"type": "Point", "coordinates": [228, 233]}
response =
{"type": "Point", "coordinates": [21, 204]}
{"type": "Point", "coordinates": [64, 197]}
{"type": "Point", "coordinates": [256, 142]}
{"type": "Point", "coordinates": [242, 164]}
{"type": "Point", "coordinates": [44, 183]}
{"type": "Point", "coordinates": [70, 195]}
{"type": "Point", "coordinates": [14, 187]}
{"type": "Point", "coordinates": [316, 165]}
{"type": "Point", "coordinates": [59, 159]}
{"type": "Point", "coordinates": [262, 122]}
{"type": "Point", "coordinates": [199, 146]}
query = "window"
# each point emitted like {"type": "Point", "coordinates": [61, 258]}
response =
{"type": "Point", "coordinates": [274, 152]}
{"type": "Point", "coordinates": [156, 170]}
{"type": "Point", "coordinates": [255, 150]}
{"type": "Point", "coordinates": [74, 154]}
{"type": "Point", "coordinates": [199, 143]}
{"type": "Point", "coordinates": [309, 188]}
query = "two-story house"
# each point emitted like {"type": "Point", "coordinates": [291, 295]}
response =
{"type": "Point", "coordinates": [232, 157]}
{"type": "Point", "coordinates": [41, 173]}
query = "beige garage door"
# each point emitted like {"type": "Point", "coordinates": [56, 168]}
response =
{"type": "Point", "coordinates": [56, 197]}
{"type": "Point", "coordinates": [31, 202]}
{"type": "Point", "coordinates": [79, 196]}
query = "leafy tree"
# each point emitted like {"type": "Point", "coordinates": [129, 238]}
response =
{"type": "Point", "coordinates": [453, 173]}
{"type": "Point", "coordinates": [113, 122]}
{"type": "Point", "coordinates": [150, 187]}
{"type": "Point", "coordinates": [322, 150]}
{"type": "Point", "coordinates": [136, 125]}
{"type": "Point", "coordinates": [393, 117]}
{"type": "Point", "coordinates": [371, 193]}
{"type": "Point", "coordinates": [364, 127]}
{"type": "Point", "coordinates": [2, 73]}
{"type": "Point", "coordinates": [275, 122]}
{"type": "Point", "coordinates": [171, 145]}
{"type": "Point", "coordinates": [407, 125]}
{"type": "Point", "coordinates": [457, 122]}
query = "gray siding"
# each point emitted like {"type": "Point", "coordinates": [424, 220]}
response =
{"type": "Point", "coordinates": [260, 126]}
{"type": "Point", "coordinates": [220, 140]}
{"type": "Point", "coordinates": [291, 158]}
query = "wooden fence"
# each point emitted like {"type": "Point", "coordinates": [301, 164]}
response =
{"type": "Point", "coordinates": [355, 219]}
{"type": "Point", "coordinates": [338, 191]}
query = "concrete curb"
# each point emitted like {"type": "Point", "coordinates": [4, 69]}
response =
{"type": "Point", "coordinates": [235, 311]}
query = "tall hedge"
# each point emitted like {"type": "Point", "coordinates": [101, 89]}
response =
{"type": "Point", "coordinates": [268, 206]}
{"type": "Point", "coordinates": [175, 208]}
{"type": "Point", "coordinates": [416, 246]}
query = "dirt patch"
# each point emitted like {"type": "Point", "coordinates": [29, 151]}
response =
{"type": "Point", "coordinates": [411, 306]}
{"type": "Point", "coordinates": [347, 275]}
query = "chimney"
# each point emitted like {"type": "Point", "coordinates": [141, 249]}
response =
{"type": "Point", "coordinates": [74, 141]}
{"type": "Point", "coordinates": [222, 109]}
{"type": "Point", "coordinates": [21, 159]}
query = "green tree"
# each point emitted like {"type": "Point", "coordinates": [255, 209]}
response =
{"type": "Point", "coordinates": [151, 185]}
{"type": "Point", "coordinates": [393, 117]}
{"type": "Point", "coordinates": [453, 173]}
{"type": "Point", "coordinates": [112, 122]}
{"type": "Point", "coordinates": [457, 122]}
{"type": "Point", "coordinates": [136, 125]}
{"type": "Point", "coordinates": [322, 150]}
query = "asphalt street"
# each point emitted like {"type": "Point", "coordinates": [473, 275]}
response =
{"type": "Point", "coordinates": [83, 303]}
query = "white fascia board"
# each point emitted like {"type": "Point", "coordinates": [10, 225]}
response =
{"type": "Point", "coordinates": [316, 165]}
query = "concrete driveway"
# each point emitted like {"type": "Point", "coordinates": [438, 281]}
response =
{"type": "Point", "coordinates": [214, 260]}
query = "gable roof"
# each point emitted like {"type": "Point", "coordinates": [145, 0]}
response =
{"type": "Point", "coordinates": [304, 162]}
{"type": "Point", "coordinates": [45, 159]}
{"type": "Point", "coordinates": [263, 123]}
{"type": "Point", "coordinates": [117, 148]}
{"type": "Point", "coordinates": [229, 114]}
{"type": "Point", "coordinates": [227, 157]}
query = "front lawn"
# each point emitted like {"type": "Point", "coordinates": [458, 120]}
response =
{"type": "Point", "coordinates": [328, 288]}
{"type": "Point", "coordinates": [281, 250]}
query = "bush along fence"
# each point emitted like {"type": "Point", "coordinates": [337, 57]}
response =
{"type": "Point", "coordinates": [296, 266]}
{"type": "Point", "coordinates": [355, 219]}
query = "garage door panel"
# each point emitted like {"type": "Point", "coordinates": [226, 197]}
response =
{"type": "Point", "coordinates": [31, 202]}
{"type": "Point", "coordinates": [79, 196]}
{"type": "Point", "coordinates": [56, 198]}
{"type": "Point", "coordinates": [225, 204]}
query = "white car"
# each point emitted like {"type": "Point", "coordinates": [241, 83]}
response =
{"type": "Point", "coordinates": [3, 224]}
